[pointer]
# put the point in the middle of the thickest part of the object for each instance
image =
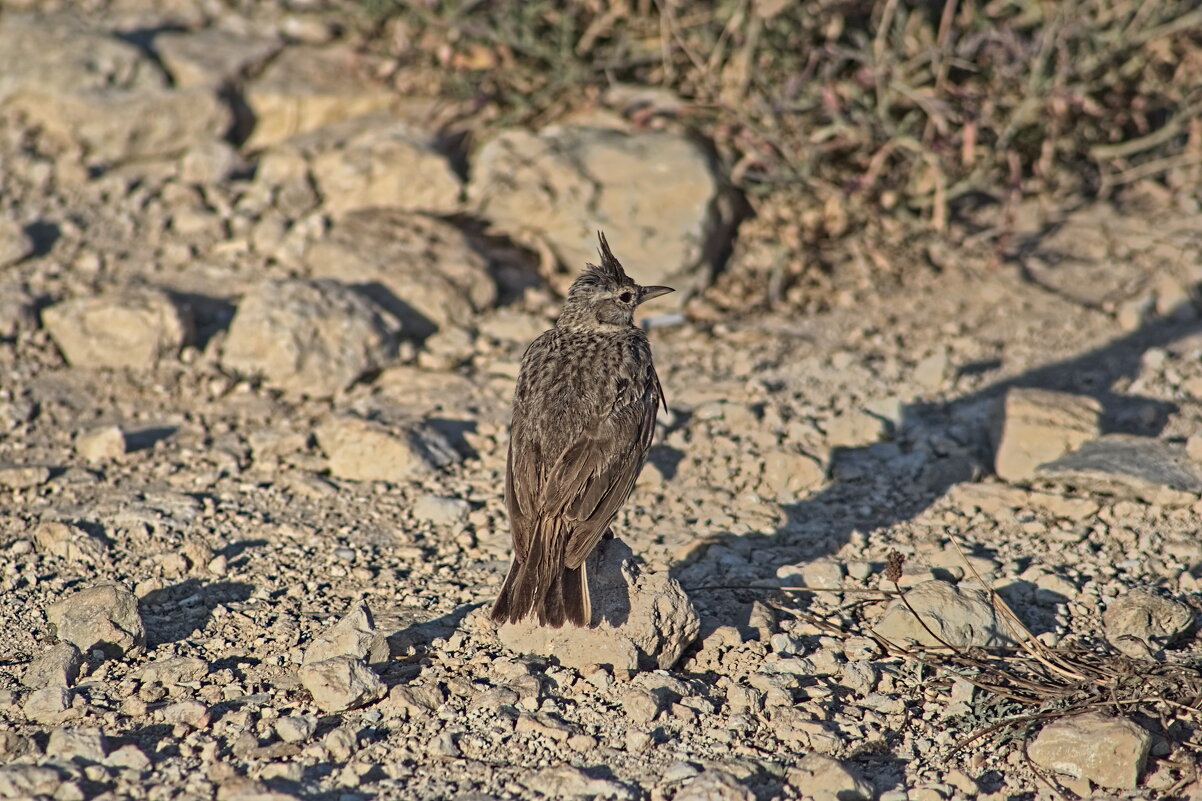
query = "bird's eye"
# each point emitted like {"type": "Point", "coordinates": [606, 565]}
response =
{"type": "Point", "coordinates": [625, 297]}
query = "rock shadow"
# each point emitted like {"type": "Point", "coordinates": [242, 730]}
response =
{"type": "Point", "coordinates": [871, 488]}
{"type": "Point", "coordinates": [177, 612]}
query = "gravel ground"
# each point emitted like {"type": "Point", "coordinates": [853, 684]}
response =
{"type": "Point", "coordinates": [239, 398]}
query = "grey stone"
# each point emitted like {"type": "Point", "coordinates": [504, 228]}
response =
{"type": "Point", "coordinates": [69, 542]}
{"type": "Point", "coordinates": [441, 511]}
{"type": "Point", "coordinates": [173, 670]}
{"type": "Point", "coordinates": [376, 161]}
{"type": "Point", "coordinates": [103, 617]}
{"type": "Point", "coordinates": [296, 728]}
{"type": "Point", "coordinates": [1150, 617]}
{"type": "Point", "coordinates": [88, 744]}
{"type": "Point", "coordinates": [49, 706]}
{"type": "Point", "coordinates": [566, 781]}
{"type": "Point", "coordinates": [29, 781]}
{"type": "Point", "coordinates": [340, 683]}
{"type": "Point", "coordinates": [713, 785]}
{"type": "Point", "coordinates": [101, 444]}
{"type": "Point", "coordinates": [960, 617]}
{"type": "Point", "coordinates": [310, 338]}
{"type": "Point", "coordinates": [20, 476]}
{"type": "Point", "coordinates": [306, 87]}
{"type": "Point", "coordinates": [641, 619]}
{"type": "Point", "coordinates": [365, 450]}
{"type": "Point", "coordinates": [58, 666]}
{"type": "Point", "coordinates": [823, 778]}
{"type": "Point", "coordinates": [355, 635]}
{"type": "Point", "coordinates": [212, 58]}
{"type": "Point", "coordinates": [655, 192]}
{"type": "Point", "coordinates": [422, 270]}
{"type": "Point", "coordinates": [15, 244]}
{"type": "Point", "coordinates": [1127, 466]}
{"type": "Point", "coordinates": [129, 757]}
{"type": "Point", "coordinates": [136, 328]}
{"type": "Point", "coordinates": [1033, 426]}
{"type": "Point", "coordinates": [1108, 751]}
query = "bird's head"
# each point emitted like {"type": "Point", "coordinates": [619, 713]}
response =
{"type": "Point", "coordinates": [604, 296]}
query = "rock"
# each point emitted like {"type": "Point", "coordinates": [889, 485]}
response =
{"type": "Point", "coordinates": [15, 244]}
{"type": "Point", "coordinates": [69, 542]}
{"type": "Point", "coordinates": [820, 574]}
{"type": "Point", "coordinates": [855, 429]}
{"type": "Point", "coordinates": [173, 670]}
{"type": "Point", "coordinates": [1033, 426]}
{"type": "Point", "coordinates": [296, 728]}
{"type": "Point", "coordinates": [189, 712]}
{"type": "Point", "coordinates": [341, 683]}
{"type": "Point", "coordinates": [212, 58]}
{"type": "Point", "coordinates": [18, 477]}
{"type": "Point", "coordinates": [1108, 751]}
{"type": "Point", "coordinates": [363, 450]}
{"type": "Point", "coordinates": [63, 54]}
{"type": "Point", "coordinates": [441, 511]}
{"type": "Point", "coordinates": [88, 744]}
{"type": "Point", "coordinates": [355, 635]}
{"type": "Point", "coordinates": [641, 619]}
{"type": "Point", "coordinates": [376, 161]}
{"type": "Point", "coordinates": [822, 778]}
{"type": "Point", "coordinates": [132, 328]}
{"type": "Point", "coordinates": [1130, 467]}
{"type": "Point", "coordinates": [1144, 614]}
{"type": "Point", "coordinates": [713, 785]}
{"type": "Point", "coordinates": [961, 617]}
{"type": "Point", "coordinates": [566, 781]}
{"type": "Point", "coordinates": [57, 666]}
{"type": "Point", "coordinates": [114, 126]}
{"type": "Point", "coordinates": [311, 338]}
{"type": "Point", "coordinates": [17, 309]}
{"type": "Point", "coordinates": [101, 444]}
{"type": "Point", "coordinates": [49, 706]}
{"type": "Point", "coordinates": [786, 474]}
{"type": "Point", "coordinates": [30, 781]}
{"type": "Point", "coordinates": [655, 193]}
{"type": "Point", "coordinates": [306, 87]}
{"type": "Point", "coordinates": [129, 757]}
{"type": "Point", "coordinates": [423, 270]}
{"type": "Point", "coordinates": [103, 617]}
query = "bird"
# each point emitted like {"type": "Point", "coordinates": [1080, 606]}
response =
{"type": "Point", "coordinates": [583, 419]}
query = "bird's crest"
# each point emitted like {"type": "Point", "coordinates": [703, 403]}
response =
{"type": "Point", "coordinates": [608, 273]}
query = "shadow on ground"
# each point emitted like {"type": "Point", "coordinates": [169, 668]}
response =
{"type": "Point", "coordinates": [870, 488]}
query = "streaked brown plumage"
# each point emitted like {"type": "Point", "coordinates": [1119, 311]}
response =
{"type": "Point", "coordinates": [583, 417]}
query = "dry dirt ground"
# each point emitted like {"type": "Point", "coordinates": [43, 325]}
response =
{"type": "Point", "coordinates": [796, 450]}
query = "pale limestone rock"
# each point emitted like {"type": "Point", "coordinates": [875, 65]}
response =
{"type": "Point", "coordinates": [340, 683]}
{"type": "Point", "coordinates": [355, 635]}
{"type": "Point", "coordinates": [212, 57]}
{"type": "Point", "coordinates": [421, 269]}
{"type": "Point", "coordinates": [135, 328]}
{"type": "Point", "coordinates": [103, 617]}
{"type": "Point", "coordinates": [364, 450]}
{"type": "Point", "coordinates": [1033, 426]}
{"type": "Point", "coordinates": [311, 338]}
{"type": "Point", "coordinates": [69, 542]}
{"type": "Point", "coordinates": [1108, 751]}
{"type": "Point", "coordinates": [960, 617]}
{"type": "Point", "coordinates": [101, 444]}
{"type": "Point", "coordinates": [822, 778]}
{"type": "Point", "coordinates": [57, 666]}
{"type": "Point", "coordinates": [656, 194]}
{"type": "Point", "coordinates": [641, 619]}
{"type": "Point", "coordinates": [306, 87]}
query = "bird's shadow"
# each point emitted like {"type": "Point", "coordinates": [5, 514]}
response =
{"type": "Point", "coordinates": [870, 488]}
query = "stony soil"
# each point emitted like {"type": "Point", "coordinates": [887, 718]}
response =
{"type": "Point", "coordinates": [238, 388]}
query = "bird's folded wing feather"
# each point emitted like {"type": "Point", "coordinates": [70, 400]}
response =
{"type": "Point", "coordinates": [595, 475]}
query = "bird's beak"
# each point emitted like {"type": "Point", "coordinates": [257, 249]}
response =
{"type": "Point", "coordinates": [646, 293]}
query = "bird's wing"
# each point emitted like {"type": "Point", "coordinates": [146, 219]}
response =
{"type": "Point", "coordinates": [522, 485]}
{"type": "Point", "coordinates": [595, 474]}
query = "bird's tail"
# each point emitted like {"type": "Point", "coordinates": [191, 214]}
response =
{"type": "Point", "coordinates": [556, 595]}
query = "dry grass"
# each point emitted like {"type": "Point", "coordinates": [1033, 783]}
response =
{"type": "Point", "coordinates": [837, 116]}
